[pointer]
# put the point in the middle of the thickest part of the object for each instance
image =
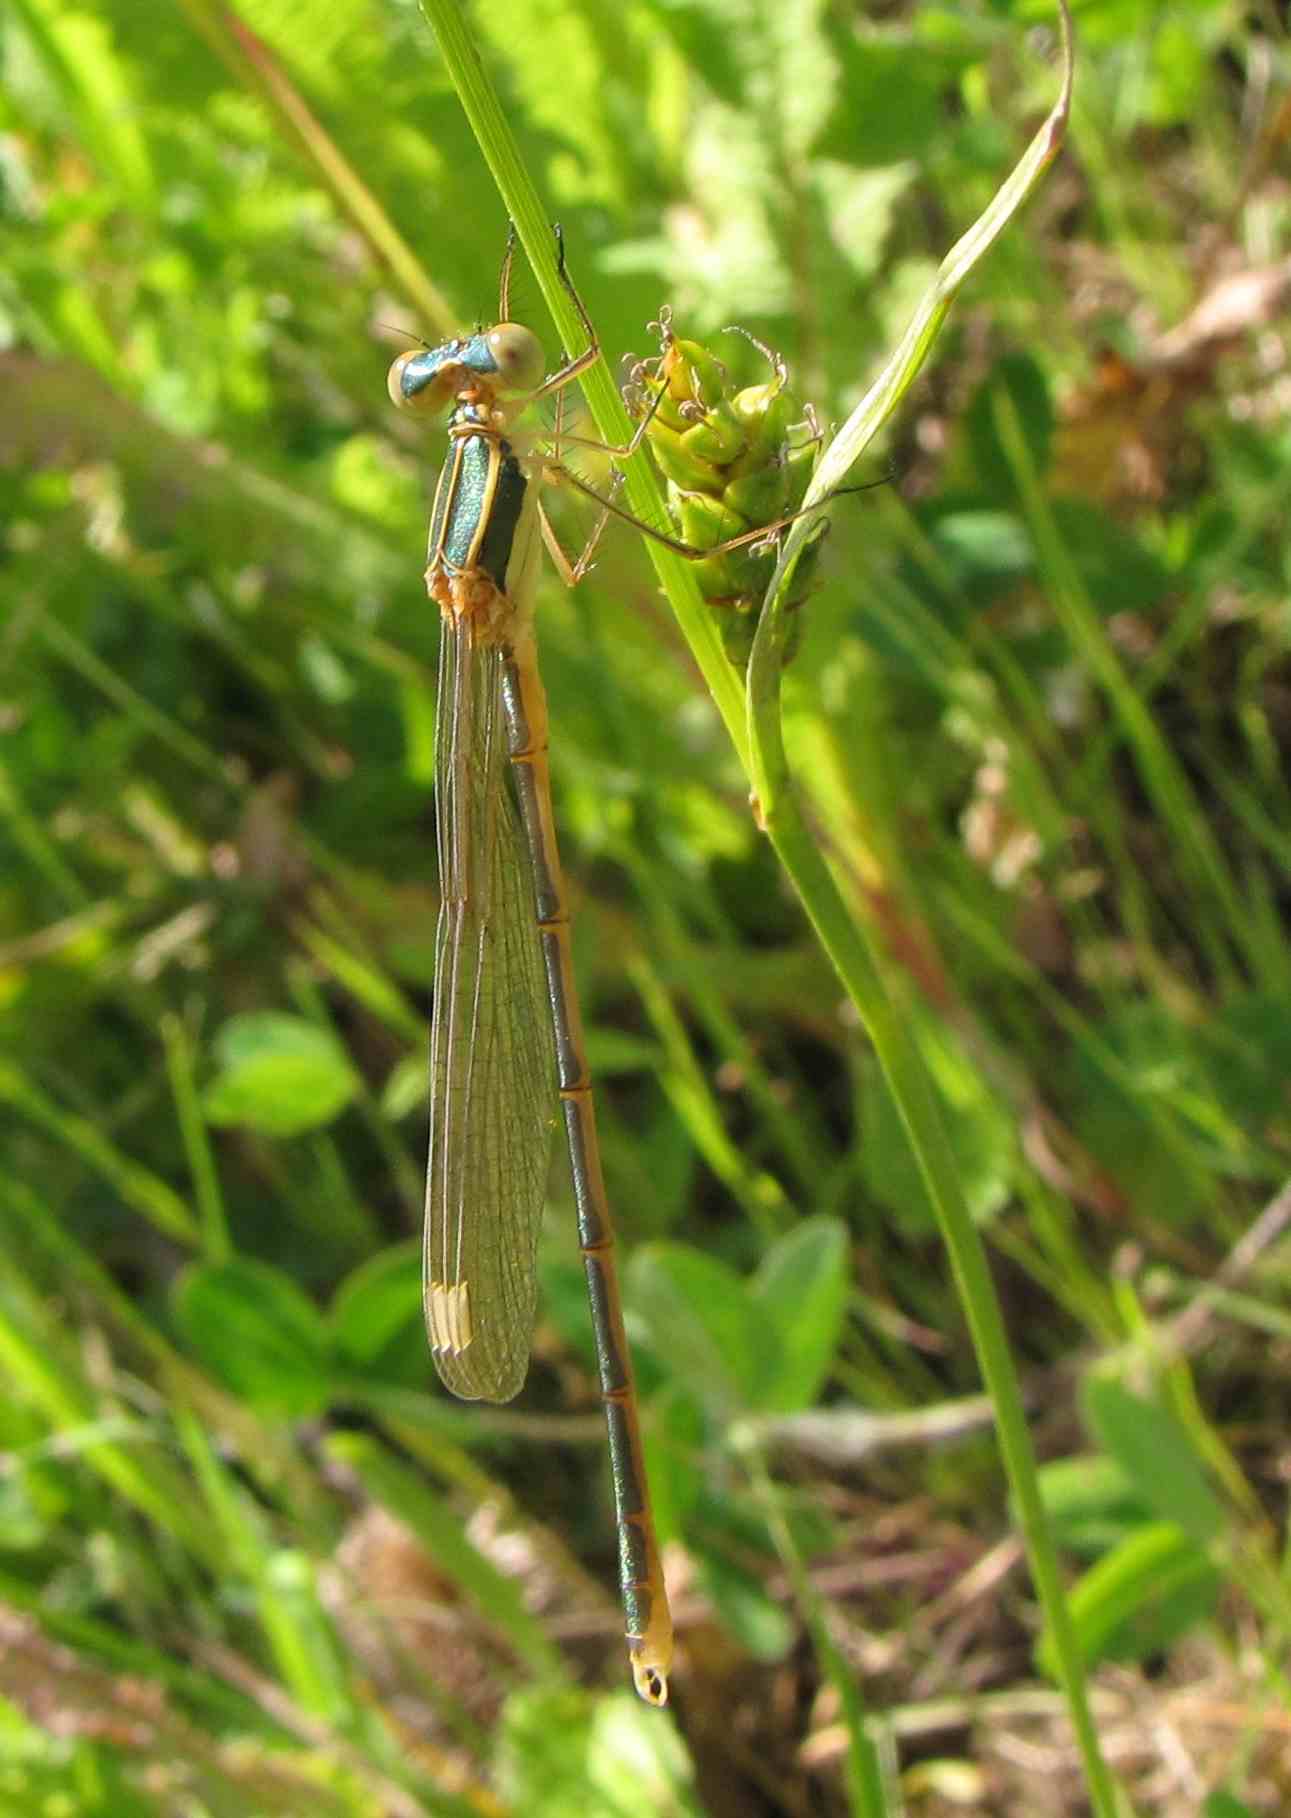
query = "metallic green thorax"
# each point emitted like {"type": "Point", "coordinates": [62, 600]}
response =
{"type": "Point", "coordinates": [478, 503]}
{"type": "Point", "coordinates": [733, 460]}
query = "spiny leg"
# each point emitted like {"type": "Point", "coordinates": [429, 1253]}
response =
{"type": "Point", "coordinates": [581, 362]}
{"type": "Point", "coordinates": [622, 451]}
{"type": "Point", "coordinates": [592, 353]}
{"type": "Point", "coordinates": [690, 552]}
{"type": "Point", "coordinates": [504, 276]}
{"type": "Point", "coordinates": [571, 573]}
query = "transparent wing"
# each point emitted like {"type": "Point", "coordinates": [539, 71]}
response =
{"type": "Point", "coordinates": [492, 1067]}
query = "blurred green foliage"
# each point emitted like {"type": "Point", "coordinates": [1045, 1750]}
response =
{"type": "Point", "coordinates": [1040, 716]}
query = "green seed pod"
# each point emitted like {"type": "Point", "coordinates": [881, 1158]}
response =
{"type": "Point", "coordinates": [703, 522]}
{"type": "Point", "coordinates": [767, 414]}
{"type": "Point", "coordinates": [760, 495]}
{"type": "Point", "coordinates": [706, 519]}
{"type": "Point", "coordinates": [735, 460]}
{"type": "Point", "coordinates": [718, 436]}
{"type": "Point", "coordinates": [800, 465]}
{"type": "Point", "coordinates": [668, 412]}
{"type": "Point", "coordinates": [752, 402]}
{"type": "Point", "coordinates": [681, 464]}
{"type": "Point", "coordinates": [738, 628]}
{"type": "Point", "coordinates": [693, 375]}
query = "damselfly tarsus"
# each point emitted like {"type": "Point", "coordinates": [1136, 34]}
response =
{"type": "Point", "coordinates": [503, 987]}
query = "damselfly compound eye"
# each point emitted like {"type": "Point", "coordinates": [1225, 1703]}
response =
{"type": "Point", "coordinates": [394, 383]}
{"type": "Point", "coordinates": [424, 378]}
{"type": "Point", "coordinates": [519, 356]}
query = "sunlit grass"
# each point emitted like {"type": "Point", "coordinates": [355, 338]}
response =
{"type": "Point", "coordinates": [1037, 731]}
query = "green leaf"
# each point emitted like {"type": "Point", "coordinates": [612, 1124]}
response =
{"type": "Point", "coordinates": [866, 126]}
{"type": "Point", "coordinates": [702, 1325]}
{"type": "Point", "coordinates": [1139, 1598]}
{"type": "Point", "coordinates": [703, 38]}
{"type": "Point", "coordinates": [1157, 1456]}
{"type": "Point", "coordinates": [982, 1136]}
{"type": "Point", "coordinates": [405, 1087]}
{"type": "Point", "coordinates": [1181, 61]}
{"type": "Point", "coordinates": [801, 1288]}
{"type": "Point", "coordinates": [1225, 1805]}
{"type": "Point", "coordinates": [674, 1454]}
{"type": "Point", "coordinates": [279, 1074]}
{"type": "Point", "coordinates": [377, 1318]}
{"type": "Point", "coordinates": [563, 1755]}
{"type": "Point", "coordinates": [639, 1765]}
{"type": "Point", "coordinates": [325, 671]}
{"type": "Point", "coordinates": [254, 1329]}
{"type": "Point", "coordinates": [82, 60]}
{"type": "Point", "coordinates": [1121, 574]}
{"type": "Point", "coordinates": [761, 1625]}
{"type": "Point", "coordinates": [1244, 1053]}
{"type": "Point", "coordinates": [1091, 1502]}
{"type": "Point", "coordinates": [1119, 1115]}
{"type": "Point", "coordinates": [1021, 379]}
{"type": "Point", "coordinates": [557, 70]}
{"type": "Point", "coordinates": [615, 1052]}
{"type": "Point", "coordinates": [49, 1773]}
{"type": "Point", "coordinates": [982, 549]}
{"type": "Point", "coordinates": [861, 207]}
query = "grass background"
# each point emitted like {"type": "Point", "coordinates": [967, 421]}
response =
{"type": "Point", "coordinates": [250, 1559]}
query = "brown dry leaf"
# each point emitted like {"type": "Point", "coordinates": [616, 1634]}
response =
{"type": "Point", "coordinates": [1125, 432]}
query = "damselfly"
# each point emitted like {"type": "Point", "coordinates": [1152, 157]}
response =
{"type": "Point", "coordinates": [504, 989]}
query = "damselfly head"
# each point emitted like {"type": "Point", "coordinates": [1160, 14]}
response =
{"type": "Point", "coordinates": [506, 358]}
